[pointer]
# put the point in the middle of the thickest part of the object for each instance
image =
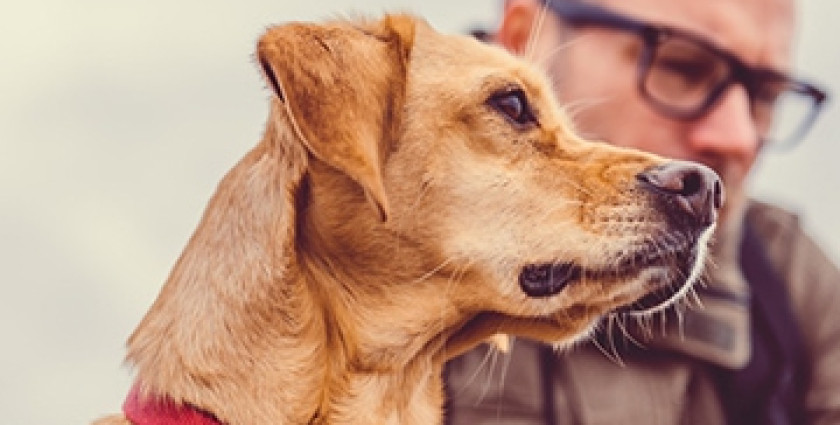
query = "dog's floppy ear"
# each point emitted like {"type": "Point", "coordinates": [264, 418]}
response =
{"type": "Point", "coordinates": [343, 87]}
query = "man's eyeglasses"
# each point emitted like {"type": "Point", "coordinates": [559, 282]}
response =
{"type": "Point", "coordinates": [683, 75]}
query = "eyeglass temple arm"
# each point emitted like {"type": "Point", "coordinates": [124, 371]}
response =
{"type": "Point", "coordinates": [586, 14]}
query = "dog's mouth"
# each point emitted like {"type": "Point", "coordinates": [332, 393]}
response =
{"type": "Point", "coordinates": [544, 280]}
{"type": "Point", "coordinates": [676, 261]}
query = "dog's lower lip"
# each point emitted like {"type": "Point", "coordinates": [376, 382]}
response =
{"type": "Point", "coordinates": [543, 280]}
{"type": "Point", "coordinates": [649, 301]}
{"type": "Point", "coordinates": [667, 290]}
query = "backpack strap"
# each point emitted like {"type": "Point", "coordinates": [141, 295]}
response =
{"type": "Point", "coordinates": [769, 389]}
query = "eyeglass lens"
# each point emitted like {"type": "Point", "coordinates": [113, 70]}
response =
{"type": "Point", "coordinates": [683, 74]}
{"type": "Point", "coordinates": [684, 77]}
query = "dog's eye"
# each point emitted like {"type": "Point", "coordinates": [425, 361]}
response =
{"type": "Point", "coordinates": [514, 106]}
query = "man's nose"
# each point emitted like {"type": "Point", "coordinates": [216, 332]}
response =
{"type": "Point", "coordinates": [728, 129]}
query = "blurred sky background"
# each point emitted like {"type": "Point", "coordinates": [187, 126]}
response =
{"type": "Point", "coordinates": [118, 118]}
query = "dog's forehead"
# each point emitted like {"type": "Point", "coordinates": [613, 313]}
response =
{"type": "Point", "coordinates": [447, 63]}
{"type": "Point", "coordinates": [467, 62]}
{"type": "Point", "coordinates": [465, 72]}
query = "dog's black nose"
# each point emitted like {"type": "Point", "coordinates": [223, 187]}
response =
{"type": "Point", "coordinates": [693, 191]}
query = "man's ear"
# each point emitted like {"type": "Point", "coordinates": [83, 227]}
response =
{"type": "Point", "coordinates": [343, 86]}
{"type": "Point", "coordinates": [518, 21]}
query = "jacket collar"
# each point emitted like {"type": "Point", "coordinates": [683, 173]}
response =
{"type": "Point", "coordinates": [718, 332]}
{"type": "Point", "coordinates": [141, 409]}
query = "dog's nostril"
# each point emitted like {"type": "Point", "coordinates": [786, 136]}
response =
{"type": "Point", "coordinates": [693, 190]}
{"type": "Point", "coordinates": [692, 184]}
{"type": "Point", "coordinates": [719, 194]}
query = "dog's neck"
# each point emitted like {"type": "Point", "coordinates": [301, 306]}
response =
{"type": "Point", "coordinates": [384, 348]}
{"type": "Point", "coordinates": [272, 347]}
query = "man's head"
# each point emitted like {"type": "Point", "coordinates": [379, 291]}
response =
{"type": "Point", "coordinates": [681, 78]}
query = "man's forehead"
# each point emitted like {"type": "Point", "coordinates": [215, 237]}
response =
{"type": "Point", "coordinates": [759, 31]}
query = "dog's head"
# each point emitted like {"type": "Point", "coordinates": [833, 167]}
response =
{"type": "Point", "coordinates": [483, 196]}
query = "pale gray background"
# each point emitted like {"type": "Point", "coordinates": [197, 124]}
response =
{"type": "Point", "coordinates": [117, 118]}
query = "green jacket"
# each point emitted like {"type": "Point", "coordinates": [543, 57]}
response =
{"type": "Point", "coordinates": [669, 373]}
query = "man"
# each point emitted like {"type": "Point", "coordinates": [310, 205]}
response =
{"type": "Point", "coordinates": [705, 81]}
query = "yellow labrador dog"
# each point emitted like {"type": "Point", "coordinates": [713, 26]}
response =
{"type": "Point", "coordinates": [413, 195]}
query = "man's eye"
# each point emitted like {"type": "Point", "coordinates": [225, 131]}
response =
{"type": "Point", "coordinates": [514, 106]}
{"type": "Point", "coordinates": [691, 72]}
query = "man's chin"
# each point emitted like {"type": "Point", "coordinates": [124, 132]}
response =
{"type": "Point", "coordinates": [727, 237]}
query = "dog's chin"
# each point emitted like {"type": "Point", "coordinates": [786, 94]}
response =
{"type": "Point", "coordinates": [668, 287]}
{"type": "Point", "coordinates": [665, 276]}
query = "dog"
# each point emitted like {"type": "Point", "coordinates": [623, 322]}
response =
{"type": "Point", "coordinates": [413, 195]}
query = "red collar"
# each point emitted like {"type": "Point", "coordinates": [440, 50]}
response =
{"type": "Point", "coordinates": [162, 411]}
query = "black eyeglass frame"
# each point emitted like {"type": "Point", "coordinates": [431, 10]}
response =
{"type": "Point", "coordinates": [584, 14]}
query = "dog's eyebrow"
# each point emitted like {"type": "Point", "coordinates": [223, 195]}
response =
{"type": "Point", "coordinates": [498, 83]}
{"type": "Point", "coordinates": [495, 83]}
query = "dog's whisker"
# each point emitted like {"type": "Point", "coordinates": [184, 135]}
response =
{"type": "Point", "coordinates": [453, 279]}
{"type": "Point", "coordinates": [541, 61]}
{"type": "Point", "coordinates": [680, 317]}
{"type": "Point", "coordinates": [645, 324]}
{"type": "Point", "coordinates": [536, 29]}
{"type": "Point", "coordinates": [486, 361]}
{"type": "Point", "coordinates": [506, 359]}
{"type": "Point", "coordinates": [432, 272]}
{"type": "Point", "coordinates": [420, 195]}
{"type": "Point", "coordinates": [694, 300]}
{"type": "Point", "coordinates": [493, 356]}
{"type": "Point", "coordinates": [573, 109]}
{"type": "Point", "coordinates": [612, 354]}
{"type": "Point", "coordinates": [627, 334]}
{"type": "Point", "coordinates": [663, 323]}
{"type": "Point", "coordinates": [611, 325]}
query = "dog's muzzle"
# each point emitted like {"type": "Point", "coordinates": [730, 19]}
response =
{"type": "Point", "coordinates": [689, 195]}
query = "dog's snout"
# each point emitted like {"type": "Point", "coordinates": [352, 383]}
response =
{"type": "Point", "coordinates": [693, 191]}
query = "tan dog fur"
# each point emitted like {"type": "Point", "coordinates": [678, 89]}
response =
{"type": "Point", "coordinates": [378, 229]}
